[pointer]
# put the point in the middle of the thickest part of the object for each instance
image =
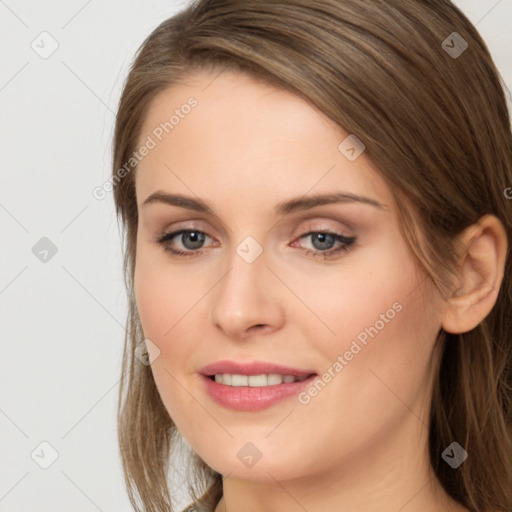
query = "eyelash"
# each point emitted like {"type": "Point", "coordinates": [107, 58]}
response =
{"type": "Point", "coordinates": [346, 242]}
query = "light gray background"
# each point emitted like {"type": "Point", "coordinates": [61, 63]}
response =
{"type": "Point", "coordinates": [62, 322]}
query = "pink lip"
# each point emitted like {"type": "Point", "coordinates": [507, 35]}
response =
{"type": "Point", "coordinates": [254, 368]}
{"type": "Point", "coordinates": [247, 398]}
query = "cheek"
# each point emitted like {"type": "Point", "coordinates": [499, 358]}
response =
{"type": "Point", "coordinates": [173, 311]}
{"type": "Point", "coordinates": [163, 297]}
{"type": "Point", "coordinates": [376, 332]}
{"type": "Point", "coordinates": [366, 290]}
{"type": "Point", "coordinates": [162, 316]}
{"type": "Point", "coordinates": [163, 301]}
{"type": "Point", "coordinates": [379, 357]}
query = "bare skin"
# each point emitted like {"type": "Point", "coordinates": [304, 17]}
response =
{"type": "Point", "coordinates": [359, 445]}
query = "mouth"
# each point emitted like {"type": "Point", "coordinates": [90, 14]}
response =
{"type": "Point", "coordinates": [237, 372]}
{"type": "Point", "coordinates": [256, 381]}
{"type": "Point", "coordinates": [253, 386]}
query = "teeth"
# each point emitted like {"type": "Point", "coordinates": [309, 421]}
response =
{"type": "Point", "coordinates": [257, 380]}
{"type": "Point", "coordinates": [238, 380]}
{"type": "Point", "coordinates": [271, 379]}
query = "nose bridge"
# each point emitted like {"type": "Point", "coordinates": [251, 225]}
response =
{"type": "Point", "coordinates": [238, 289]}
{"type": "Point", "coordinates": [243, 297]}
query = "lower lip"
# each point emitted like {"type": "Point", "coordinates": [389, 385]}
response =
{"type": "Point", "coordinates": [247, 398]}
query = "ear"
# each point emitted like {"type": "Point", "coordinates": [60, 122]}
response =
{"type": "Point", "coordinates": [482, 265]}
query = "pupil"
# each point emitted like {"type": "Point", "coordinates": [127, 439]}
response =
{"type": "Point", "coordinates": [322, 237]}
{"type": "Point", "coordinates": [197, 239]}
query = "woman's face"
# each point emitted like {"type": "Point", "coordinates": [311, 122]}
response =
{"type": "Point", "coordinates": [327, 289]}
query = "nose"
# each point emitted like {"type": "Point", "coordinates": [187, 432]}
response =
{"type": "Point", "coordinates": [246, 301]}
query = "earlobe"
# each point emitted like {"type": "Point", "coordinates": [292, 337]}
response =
{"type": "Point", "coordinates": [484, 250]}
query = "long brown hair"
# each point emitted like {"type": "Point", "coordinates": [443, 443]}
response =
{"type": "Point", "coordinates": [434, 120]}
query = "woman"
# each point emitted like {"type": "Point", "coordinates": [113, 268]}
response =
{"type": "Point", "coordinates": [314, 198]}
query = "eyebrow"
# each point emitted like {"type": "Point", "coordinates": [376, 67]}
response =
{"type": "Point", "coordinates": [283, 208]}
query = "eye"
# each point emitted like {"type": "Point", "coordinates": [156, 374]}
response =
{"type": "Point", "coordinates": [192, 240]}
{"type": "Point", "coordinates": [324, 243]}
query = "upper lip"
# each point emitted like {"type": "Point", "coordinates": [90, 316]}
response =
{"type": "Point", "coordinates": [252, 368]}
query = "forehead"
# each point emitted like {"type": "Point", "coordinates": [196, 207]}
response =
{"type": "Point", "coordinates": [243, 138]}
